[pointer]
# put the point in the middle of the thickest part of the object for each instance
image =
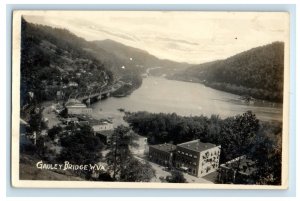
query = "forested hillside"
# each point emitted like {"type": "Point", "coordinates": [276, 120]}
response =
{"type": "Point", "coordinates": [53, 60]}
{"type": "Point", "coordinates": [257, 72]}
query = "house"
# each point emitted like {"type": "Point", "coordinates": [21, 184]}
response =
{"type": "Point", "coordinates": [73, 84]}
{"type": "Point", "coordinates": [101, 125]}
{"type": "Point", "coordinates": [197, 158]}
{"type": "Point", "coordinates": [59, 95]}
{"type": "Point", "coordinates": [162, 154]}
{"type": "Point", "coordinates": [105, 136]}
{"type": "Point", "coordinates": [102, 128]}
{"type": "Point", "coordinates": [76, 107]}
{"type": "Point", "coordinates": [97, 125]}
{"type": "Point", "coordinates": [237, 170]}
{"type": "Point", "coordinates": [70, 120]}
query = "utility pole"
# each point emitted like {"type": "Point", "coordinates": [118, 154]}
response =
{"type": "Point", "coordinates": [115, 156]}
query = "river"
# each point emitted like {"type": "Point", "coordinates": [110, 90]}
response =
{"type": "Point", "coordinates": [158, 94]}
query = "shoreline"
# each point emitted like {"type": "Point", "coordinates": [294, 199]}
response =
{"type": "Point", "coordinates": [216, 88]}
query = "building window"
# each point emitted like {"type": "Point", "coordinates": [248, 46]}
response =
{"type": "Point", "coordinates": [207, 169]}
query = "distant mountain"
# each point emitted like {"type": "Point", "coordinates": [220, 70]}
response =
{"type": "Point", "coordinates": [257, 72]}
{"type": "Point", "coordinates": [118, 55]}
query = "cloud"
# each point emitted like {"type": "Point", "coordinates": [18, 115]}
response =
{"type": "Point", "coordinates": [192, 37]}
{"type": "Point", "coordinates": [119, 35]}
{"type": "Point", "coordinates": [176, 41]}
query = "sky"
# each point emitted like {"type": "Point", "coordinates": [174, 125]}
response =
{"type": "Point", "coordinates": [193, 37]}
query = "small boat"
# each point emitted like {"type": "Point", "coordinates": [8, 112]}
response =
{"type": "Point", "coordinates": [121, 110]}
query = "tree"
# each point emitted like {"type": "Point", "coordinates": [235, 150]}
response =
{"type": "Point", "coordinates": [119, 153]}
{"type": "Point", "coordinates": [136, 171]}
{"type": "Point", "coordinates": [81, 147]}
{"type": "Point", "coordinates": [105, 177]}
{"type": "Point", "coordinates": [36, 121]}
{"type": "Point", "coordinates": [53, 132]}
{"type": "Point", "coordinates": [268, 164]}
{"type": "Point", "coordinates": [121, 162]}
{"type": "Point", "coordinates": [238, 138]}
{"type": "Point", "coordinates": [238, 135]}
{"type": "Point", "coordinates": [176, 177]}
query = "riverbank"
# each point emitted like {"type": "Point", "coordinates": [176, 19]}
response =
{"type": "Point", "coordinates": [129, 84]}
{"type": "Point", "coordinates": [260, 95]}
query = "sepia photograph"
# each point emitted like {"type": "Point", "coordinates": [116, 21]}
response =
{"type": "Point", "coordinates": [150, 99]}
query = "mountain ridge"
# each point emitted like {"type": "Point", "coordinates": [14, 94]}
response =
{"type": "Point", "coordinates": [257, 72]}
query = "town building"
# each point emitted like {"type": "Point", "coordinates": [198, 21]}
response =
{"type": "Point", "coordinates": [102, 128]}
{"type": "Point", "coordinates": [238, 170]}
{"type": "Point", "coordinates": [197, 158]}
{"type": "Point", "coordinates": [101, 125]}
{"type": "Point", "coordinates": [105, 136]}
{"type": "Point", "coordinates": [76, 107]}
{"type": "Point", "coordinates": [162, 154]}
{"type": "Point", "coordinates": [59, 95]}
{"type": "Point", "coordinates": [73, 84]}
{"type": "Point", "coordinates": [97, 125]}
{"type": "Point", "coordinates": [70, 120]}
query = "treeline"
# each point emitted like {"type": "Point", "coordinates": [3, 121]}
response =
{"type": "Point", "coordinates": [257, 72]}
{"type": "Point", "coordinates": [239, 135]}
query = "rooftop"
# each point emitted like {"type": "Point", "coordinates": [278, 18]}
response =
{"type": "Point", "coordinates": [74, 103]}
{"type": "Point", "coordinates": [196, 145]}
{"type": "Point", "coordinates": [94, 122]}
{"type": "Point", "coordinates": [164, 147]}
{"type": "Point", "coordinates": [246, 166]}
{"type": "Point", "coordinates": [106, 133]}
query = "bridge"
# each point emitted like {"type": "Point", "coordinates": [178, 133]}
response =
{"type": "Point", "coordinates": [94, 95]}
{"type": "Point", "coordinates": [90, 96]}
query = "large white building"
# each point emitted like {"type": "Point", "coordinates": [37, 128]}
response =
{"type": "Point", "coordinates": [197, 158]}
{"type": "Point", "coordinates": [102, 126]}
{"type": "Point", "coordinates": [76, 107]}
